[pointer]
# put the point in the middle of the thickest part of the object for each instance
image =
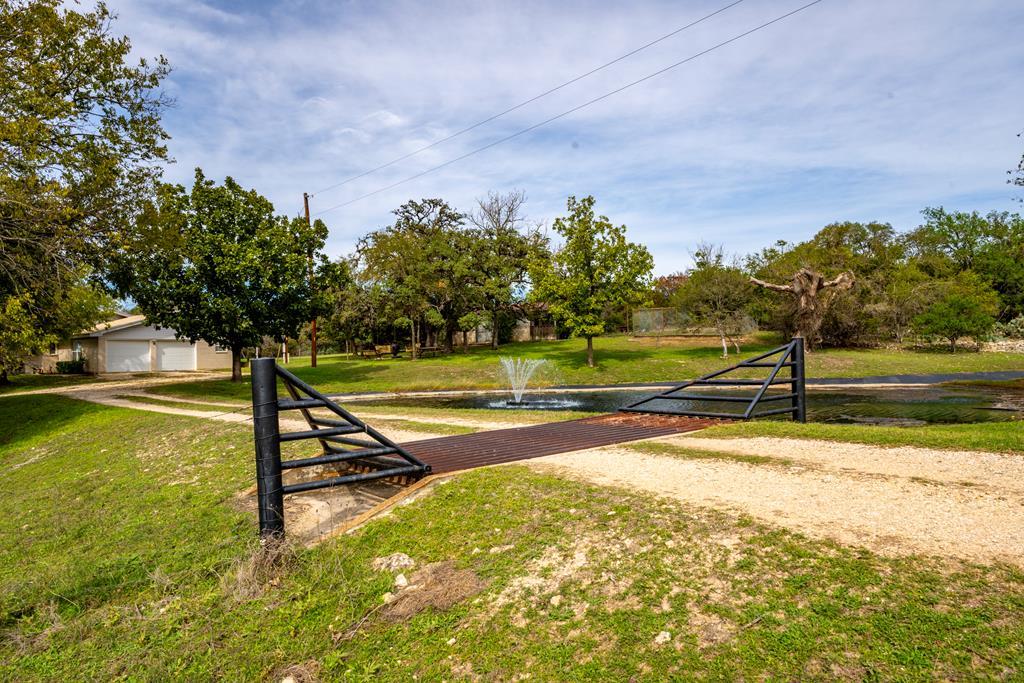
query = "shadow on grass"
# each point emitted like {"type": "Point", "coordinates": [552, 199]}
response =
{"type": "Point", "coordinates": [354, 372]}
{"type": "Point", "coordinates": [23, 418]}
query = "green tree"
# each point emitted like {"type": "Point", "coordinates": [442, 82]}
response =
{"type": "Point", "coordinates": [217, 264]}
{"type": "Point", "coordinates": [826, 307]}
{"type": "Point", "coordinates": [424, 263]}
{"type": "Point", "coordinates": [949, 242]}
{"type": "Point", "coordinates": [963, 307]}
{"type": "Point", "coordinates": [991, 245]}
{"type": "Point", "coordinates": [19, 336]}
{"type": "Point", "coordinates": [903, 298]}
{"type": "Point", "coordinates": [595, 269]}
{"type": "Point", "coordinates": [716, 294]}
{"type": "Point", "coordinates": [26, 330]}
{"type": "Point", "coordinates": [80, 145]}
{"type": "Point", "coordinates": [350, 317]}
{"type": "Point", "coordinates": [1000, 262]}
{"type": "Point", "coordinates": [502, 252]}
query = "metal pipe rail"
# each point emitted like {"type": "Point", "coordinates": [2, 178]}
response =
{"type": "Point", "coordinates": [376, 451]}
{"type": "Point", "coordinates": [790, 356]}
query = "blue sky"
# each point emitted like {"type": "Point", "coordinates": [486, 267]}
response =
{"type": "Point", "coordinates": [862, 110]}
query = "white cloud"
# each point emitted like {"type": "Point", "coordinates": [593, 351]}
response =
{"type": "Point", "coordinates": [865, 110]}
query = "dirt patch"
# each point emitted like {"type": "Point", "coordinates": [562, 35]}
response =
{"type": "Point", "coordinates": [307, 672]}
{"type": "Point", "coordinates": [547, 573]}
{"type": "Point", "coordinates": [995, 470]}
{"type": "Point", "coordinates": [440, 585]}
{"type": "Point", "coordinates": [252, 575]}
{"type": "Point", "coordinates": [710, 629]}
{"type": "Point", "coordinates": [866, 499]}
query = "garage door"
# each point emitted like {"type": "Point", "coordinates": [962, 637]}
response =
{"type": "Point", "coordinates": [127, 356]}
{"type": "Point", "coordinates": [175, 355]}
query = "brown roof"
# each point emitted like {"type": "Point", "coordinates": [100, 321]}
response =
{"type": "Point", "coordinates": [115, 324]}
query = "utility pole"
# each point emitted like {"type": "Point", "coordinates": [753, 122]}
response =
{"type": "Point", "coordinates": [312, 325]}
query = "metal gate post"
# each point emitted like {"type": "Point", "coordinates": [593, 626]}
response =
{"type": "Point", "coordinates": [266, 430]}
{"type": "Point", "coordinates": [800, 385]}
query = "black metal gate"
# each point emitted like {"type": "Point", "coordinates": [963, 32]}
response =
{"type": "Point", "coordinates": [343, 438]}
{"type": "Point", "coordinates": [790, 356]}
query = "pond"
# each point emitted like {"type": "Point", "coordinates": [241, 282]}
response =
{"type": "Point", "coordinates": [901, 406]}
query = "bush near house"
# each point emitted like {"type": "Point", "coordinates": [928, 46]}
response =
{"type": "Point", "coordinates": [71, 367]}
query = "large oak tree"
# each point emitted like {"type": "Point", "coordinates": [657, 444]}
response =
{"type": "Point", "coordinates": [217, 264]}
{"type": "Point", "coordinates": [80, 147]}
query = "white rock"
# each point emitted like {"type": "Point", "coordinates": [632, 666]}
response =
{"type": "Point", "coordinates": [451, 641]}
{"type": "Point", "coordinates": [555, 600]}
{"type": "Point", "coordinates": [388, 597]}
{"type": "Point", "coordinates": [662, 638]}
{"type": "Point", "coordinates": [393, 562]}
{"type": "Point", "coordinates": [401, 581]}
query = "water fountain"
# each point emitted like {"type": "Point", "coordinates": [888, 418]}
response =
{"type": "Point", "coordinates": [519, 371]}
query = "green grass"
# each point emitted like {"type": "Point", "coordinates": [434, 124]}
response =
{"type": "Point", "coordinates": [999, 437]}
{"type": "Point", "coordinates": [129, 557]}
{"type": "Point", "coordinates": [29, 382]}
{"type": "Point", "coordinates": [425, 427]}
{"type": "Point", "coordinates": [1009, 384]}
{"type": "Point", "coordinates": [620, 360]}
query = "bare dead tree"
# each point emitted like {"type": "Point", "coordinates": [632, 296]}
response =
{"type": "Point", "coordinates": [504, 246]}
{"type": "Point", "coordinates": [809, 288]}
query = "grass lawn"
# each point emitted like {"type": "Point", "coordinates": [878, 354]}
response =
{"type": "Point", "coordinates": [26, 382]}
{"type": "Point", "coordinates": [999, 437]}
{"type": "Point", "coordinates": [620, 360]}
{"type": "Point", "coordinates": [128, 557]}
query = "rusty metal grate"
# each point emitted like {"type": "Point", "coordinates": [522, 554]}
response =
{"type": "Point", "coordinates": [466, 451]}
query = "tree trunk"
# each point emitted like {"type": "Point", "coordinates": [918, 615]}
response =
{"type": "Point", "coordinates": [465, 341]}
{"type": "Point", "coordinates": [4, 379]}
{"type": "Point", "coordinates": [236, 363]}
{"type": "Point", "coordinates": [807, 287]}
{"type": "Point", "coordinates": [494, 329]}
{"type": "Point", "coordinates": [414, 353]}
{"type": "Point", "coordinates": [590, 352]}
{"type": "Point", "coordinates": [725, 347]}
{"type": "Point", "coordinates": [952, 344]}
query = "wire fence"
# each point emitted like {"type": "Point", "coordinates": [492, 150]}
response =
{"type": "Point", "coordinates": [658, 322]}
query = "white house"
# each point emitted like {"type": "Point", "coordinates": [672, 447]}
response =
{"type": "Point", "coordinates": [127, 344]}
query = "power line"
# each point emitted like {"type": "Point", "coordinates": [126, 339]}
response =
{"type": "Point", "coordinates": [570, 111]}
{"type": "Point", "coordinates": [526, 102]}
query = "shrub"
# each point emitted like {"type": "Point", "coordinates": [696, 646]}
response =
{"type": "Point", "coordinates": [71, 367]}
{"type": "Point", "coordinates": [964, 307]}
{"type": "Point", "coordinates": [1014, 329]}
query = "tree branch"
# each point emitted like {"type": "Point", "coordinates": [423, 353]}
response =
{"type": "Point", "coordinates": [843, 281]}
{"type": "Point", "coordinates": [769, 285]}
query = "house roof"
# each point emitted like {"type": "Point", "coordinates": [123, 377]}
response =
{"type": "Point", "coordinates": [111, 325]}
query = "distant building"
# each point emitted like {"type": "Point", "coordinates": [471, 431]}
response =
{"type": "Point", "coordinates": [127, 344]}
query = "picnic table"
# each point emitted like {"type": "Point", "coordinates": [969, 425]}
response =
{"type": "Point", "coordinates": [379, 351]}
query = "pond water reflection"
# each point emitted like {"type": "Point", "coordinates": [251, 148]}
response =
{"type": "Point", "coordinates": [899, 406]}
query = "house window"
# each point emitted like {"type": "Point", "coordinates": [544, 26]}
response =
{"type": "Point", "coordinates": [53, 348]}
{"type": "Point", "coordinates": [219, 349]}
{"type": "Point", "coordinates": [76, 354]}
